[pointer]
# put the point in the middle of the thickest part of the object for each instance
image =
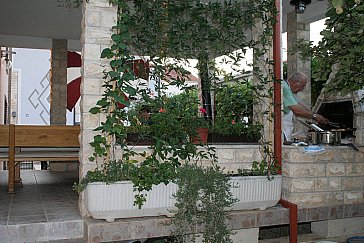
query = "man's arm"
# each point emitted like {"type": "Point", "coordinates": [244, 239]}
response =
{"type": "Point", "coordinates": [301, 111]}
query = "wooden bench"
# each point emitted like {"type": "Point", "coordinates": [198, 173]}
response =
{"type": "Point", "coordinates": [30, 142]}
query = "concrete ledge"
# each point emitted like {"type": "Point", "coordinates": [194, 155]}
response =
{"type": "Point", "coordinates": [39, 232]}
{"type": "Point", "coordinates": [150, 227]}
{"type": "Point", "coordinates": [312, 214]}
{"type": "Point", "coordinates": [138, 228]}
{"type": "Point", "coordinates": [338, 227]}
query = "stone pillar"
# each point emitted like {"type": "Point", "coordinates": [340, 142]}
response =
{"type": "Point", "coordinates": [14, 96]}
{"type": "Point", "coordinates": [297, 31]}
{"type": "Point", "coordinates": [58, 82]}
{"type": "Point", "coordinates": [262, 111]}
{"type": "Point", "coordinates": [98, 18]}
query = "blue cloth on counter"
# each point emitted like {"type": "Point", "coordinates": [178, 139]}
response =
{"type": "Point", "coordinates": [313, 149]}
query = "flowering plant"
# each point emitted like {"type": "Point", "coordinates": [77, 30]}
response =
{"type": "Point", "coordinates": [166, 118]}
{"type": "Point", "coordinates": [234, 110]}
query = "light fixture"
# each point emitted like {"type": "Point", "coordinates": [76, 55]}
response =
{"type": "Point", "coordinates": [8, 62]}
{"type": "Point", "coordinates": [300, 5]}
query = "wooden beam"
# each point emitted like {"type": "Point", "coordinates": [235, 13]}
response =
{"type": "Point", "coordinates": [11, 163]}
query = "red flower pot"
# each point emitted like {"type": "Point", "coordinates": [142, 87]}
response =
{"type": "Point", "coordinates": [202, 134]}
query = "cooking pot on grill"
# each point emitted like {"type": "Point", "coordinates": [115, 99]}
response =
{"type": "Point", "coordinates": [331, 137]}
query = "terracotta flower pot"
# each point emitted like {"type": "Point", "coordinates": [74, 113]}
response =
{"type": "Point", "coordinates": [202, 135]}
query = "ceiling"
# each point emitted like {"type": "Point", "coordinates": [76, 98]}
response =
{"type": "Point", "coordinates": [34, 23]}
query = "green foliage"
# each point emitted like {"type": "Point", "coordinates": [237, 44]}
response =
{"type": "Point", "coordinates": [114, 171]}
{"type": "Point", "coordinates": [316, 85]}
{"type": "Point", "coordinates": [342, 44]}
{"type": "Point", "coordinates": [202, 198]}
{"type": "Point", "coordinates": [234, 109]}
{"type": "Point", "coordinates": [169, 32]}
{"type": "Point", "coordinates": [260, 168]}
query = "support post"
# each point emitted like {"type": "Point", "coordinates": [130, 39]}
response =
{"type": "Point", "coordinates": [203, 66]}
{"type": "Point", "coordinates": [11, 162]}
{"type": "Point", "coordinates": [293, 220]}
{"type": "Point", "coordinates": [277, 86]}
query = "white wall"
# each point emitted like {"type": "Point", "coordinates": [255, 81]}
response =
{"type": "Point", "coordinates": [34, 88]}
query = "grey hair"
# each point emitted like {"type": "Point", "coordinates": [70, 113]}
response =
{"type": "Point", "coordinates": [298, 77]}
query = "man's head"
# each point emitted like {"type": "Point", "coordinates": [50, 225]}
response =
{"type": "Point", "coordinates": [297, 82]}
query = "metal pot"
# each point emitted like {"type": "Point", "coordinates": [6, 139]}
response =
{"type": "Point", "coordinates": [332, 137]}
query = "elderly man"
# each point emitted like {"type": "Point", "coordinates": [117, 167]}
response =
{"type": "Point", "coordinates": [291, 105]}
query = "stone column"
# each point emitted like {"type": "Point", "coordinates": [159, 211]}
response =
{"type": "Point", "coordinates": [58, 82]}
{"type": "Point", "coordinates": [262, 111]}
{"type": "Point", "coordinates": [58, 91]}
{"type": "Point", "coordinates": [298, 31]}
{"type": "Point", "coordinates": [98, 18]}
{"type": "Point", "coordinates": [14, 96]}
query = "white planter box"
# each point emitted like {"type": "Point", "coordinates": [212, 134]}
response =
{"type": "Point", "coordinates": [256, 192]}
{"type": "Point", "coordinates": [116, 200]}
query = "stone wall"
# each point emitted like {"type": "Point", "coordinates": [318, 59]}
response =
{"type": "Point", "coordinates": [230, 157]}
{"type": "Point", "coordinates": [234, 157]}
{"type": "Point", "coordinates": [335, 177]}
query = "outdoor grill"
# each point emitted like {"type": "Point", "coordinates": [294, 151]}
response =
{"type": "Point", "coordinates": [340, 115]}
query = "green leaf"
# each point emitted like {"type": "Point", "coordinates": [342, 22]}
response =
{"type": "Point", "coordinates": [94, 110]}
{"type": "Point", "coordinates": [107, 53]}
{"type": "Point", "coordinates": [337, 3]}
{"type": "Point", "coordinates": [102, 103]}
{"type": "Point", "coordinates": [125, 36]}
{"type": "Point", "coordinates": [113, 74]}
{"type": "Point", "coordinates": [130, 90]}
{"type": "Point", "coordinates": [116, 38]}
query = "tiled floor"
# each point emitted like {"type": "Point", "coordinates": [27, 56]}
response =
{"type": "Point", "coordinates": [45, 197]}
{"type": "Point", "coordinates": [45, 202]}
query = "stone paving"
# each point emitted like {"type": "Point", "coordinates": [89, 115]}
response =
{"type": "Point", "coordinates": [44, 209]}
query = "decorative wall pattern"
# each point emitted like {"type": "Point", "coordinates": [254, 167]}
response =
{"type": "Point", "coordinates": [39, 98]}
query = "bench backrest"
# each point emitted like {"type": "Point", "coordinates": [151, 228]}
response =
{"type": "Point", "coordinates": [4, 135]}
{"type": "Point", "coordinates": [47, 136]}
{"type": "Point", "coordinates": [39, 136]}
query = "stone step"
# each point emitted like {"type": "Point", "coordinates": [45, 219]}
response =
{"type": "Point", "coordinates": [42, 232]}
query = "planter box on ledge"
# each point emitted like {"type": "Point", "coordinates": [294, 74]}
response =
{"type": "Point", "coordinates": [116, 200]}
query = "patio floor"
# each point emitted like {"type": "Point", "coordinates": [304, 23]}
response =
{"type": "Point", "coordinates": [43, 210]}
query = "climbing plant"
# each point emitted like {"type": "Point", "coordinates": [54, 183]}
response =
{"type": "Point", "coordinates": [342, 44]}
{"type": "Point", "coordinates": [165, 34]}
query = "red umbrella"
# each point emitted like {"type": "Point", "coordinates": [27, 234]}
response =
{"type": "Point", "coordinates": [140, 68]}
{"type": "Point", "coordinates": [73, 59]}
{"type": "Point", "coordinates": [73, 93]}
{"type": "Point", "coordinates": [73, 87]}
